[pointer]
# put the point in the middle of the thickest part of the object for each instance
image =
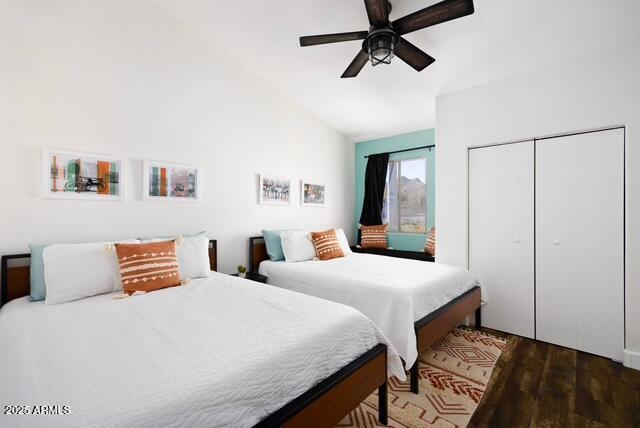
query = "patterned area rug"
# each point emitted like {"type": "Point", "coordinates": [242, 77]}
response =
{"type": "Point", "coordinates": [454, 373]}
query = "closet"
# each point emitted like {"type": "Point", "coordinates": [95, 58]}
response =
{"type": "Point", "coordinates": [546, 238]}
{"type": "Point", "coordinates": [501, 239]}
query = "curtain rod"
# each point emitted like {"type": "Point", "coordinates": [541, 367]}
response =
{"type": "Point", "coordinates": [408, 150]}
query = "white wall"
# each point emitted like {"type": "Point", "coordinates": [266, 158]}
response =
{"type": "Point", "coordinates": [124, 78]}
{"type": "Point", "coordinates": [596, 91]}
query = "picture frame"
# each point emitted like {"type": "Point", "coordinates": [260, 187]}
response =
{"type": "Point", "coordinates": [312, 193]}
{"type": "Point", "coordinates": [274, 190]}
{"type": "Point", "coordinates": [78, 175]}
{"type": "Point", "coordinates": [171, 182]}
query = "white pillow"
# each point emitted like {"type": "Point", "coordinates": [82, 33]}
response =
{"type": "Point", "coordinates": [342, 240]}
{"type": "Point", "coordinates": [192, 254]}
{"type": "Point", "coordinates": [76, 271]}
{"type": "Point", "coordinates": [297, 246]}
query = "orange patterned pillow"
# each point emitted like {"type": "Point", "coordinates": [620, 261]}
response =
{"type": "Point", "coordinates": [326, 244]}
{"type": "Point", "coordinates": [373, 236]}
{"type": "Point", "coordinates": [148, 267]}
{"type": "Point", "coordinates": [430, 244]}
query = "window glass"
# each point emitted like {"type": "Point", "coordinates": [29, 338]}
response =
{"type": "Point", "coordinates": [404, 208]}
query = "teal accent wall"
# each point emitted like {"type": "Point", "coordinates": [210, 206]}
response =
{"type": "Point", "coordinates": [401, 241]}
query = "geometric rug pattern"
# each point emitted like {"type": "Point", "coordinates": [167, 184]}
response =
{"type": "Point", "coordinates": [454, 373]}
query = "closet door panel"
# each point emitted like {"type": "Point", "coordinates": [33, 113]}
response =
{"type": "Point", "coordinates": [599, 242]}
{"type": "Point", "coordinates": [555, 267]}
{"type": "Point", "coordinates": [579, 242]}
{"type": "Point", "coordinates": [501, 234]}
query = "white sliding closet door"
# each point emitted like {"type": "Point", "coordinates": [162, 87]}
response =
{"type": "Point", "coordinates": [501, 240]}
{"type": "Point", "coordinates": [579, 242]}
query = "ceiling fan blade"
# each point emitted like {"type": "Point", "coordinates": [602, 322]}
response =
{"type": "Point", "coordinates": [412, 55]}
{"type": "Point", "coordinates": [332, 38]}
{"type": "Point", "coordinates": [356, 65]}
{"type": "Point", "coordinates": [440, 12]}
{"type": "Point", "coordinates": [378, 12]}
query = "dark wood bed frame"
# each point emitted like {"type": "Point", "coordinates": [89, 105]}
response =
{"type": "Point", "coordinates": [324, 405]}
{"type": "Point", "coordinates": [428, 329]}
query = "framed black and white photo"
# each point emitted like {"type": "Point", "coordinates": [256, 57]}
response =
{"type": "Point", "coordinates": [274, 190]}
{"type": "Point", "coordinates": [312, 193]}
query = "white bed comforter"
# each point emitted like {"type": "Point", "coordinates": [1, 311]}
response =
{"type": "Point", "coordinates": [222, 351]}
{"type": "Point", "coordinates": [392, 292]}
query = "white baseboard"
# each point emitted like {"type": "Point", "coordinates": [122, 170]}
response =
{"type": "Point", "coordinates": [631, 359]}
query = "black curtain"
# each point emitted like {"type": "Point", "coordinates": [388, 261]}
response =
{"type": "Point", "coordinates": [374, 182]}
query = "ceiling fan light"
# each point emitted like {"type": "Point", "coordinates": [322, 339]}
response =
{"type": "Point", "coordinates": [380, 48]}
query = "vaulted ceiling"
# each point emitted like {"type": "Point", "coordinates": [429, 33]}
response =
{"type": "Point", "coordinates": [502, 38]}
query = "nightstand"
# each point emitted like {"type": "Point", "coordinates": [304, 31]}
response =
{"type": "Point", "coordinates": [252, 276]}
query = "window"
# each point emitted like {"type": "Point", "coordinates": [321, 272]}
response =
{"type": "Point", "coordinates": [405, 196]}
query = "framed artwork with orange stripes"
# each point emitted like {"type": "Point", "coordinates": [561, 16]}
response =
{"type": "Point", "coordinates": [75, 175]}
{"type": "Point", "coordinates": [170, 182]}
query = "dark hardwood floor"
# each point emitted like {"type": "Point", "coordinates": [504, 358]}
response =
{"type": "Point", "coordinates": [541, 385]}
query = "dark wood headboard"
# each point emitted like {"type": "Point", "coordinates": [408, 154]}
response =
{"type": "Point", "coordinates": [15, 279]}
{"type": "Point", "coordinates": [257, 252]}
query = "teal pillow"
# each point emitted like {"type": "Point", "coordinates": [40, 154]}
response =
{"type": "Point", "coordinates": [274, 245]}
{"type": "Point", "coordinates": [38, 289]}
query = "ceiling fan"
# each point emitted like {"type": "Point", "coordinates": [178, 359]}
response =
{"type": "Point", "coordinates": [384, 38]}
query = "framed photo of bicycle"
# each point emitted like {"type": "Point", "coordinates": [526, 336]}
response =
{"type": "Point", "coordinates": [76, 175]}
{"type": "Point", "coordinates": [170, 182]}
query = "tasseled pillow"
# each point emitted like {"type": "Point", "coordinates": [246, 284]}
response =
{"type": "Point", "coordinates": [373, 236]}
{"type": "Point", "coordinates": [430, 244]}
{"type": "Point", "coordinates": [148, 267]}
{"type": "Point", "coordinates": [326, 245]}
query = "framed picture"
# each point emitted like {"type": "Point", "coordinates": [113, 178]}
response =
{"type": "Point", "coordinates": [170, 182]}
{"type": "Point", "coordinates": [75, 175]}
{"type": "Point", "coordinates": [275, 190]}
{"type": "Point", "coordinates": [312, 194]}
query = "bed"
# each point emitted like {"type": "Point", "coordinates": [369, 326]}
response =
{"type": "Point", "coordinates": [414, 303]}
{"type": "Point", "coordinates": [220, 351]}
